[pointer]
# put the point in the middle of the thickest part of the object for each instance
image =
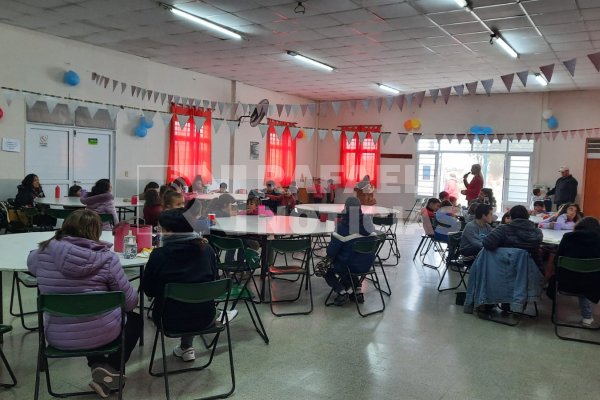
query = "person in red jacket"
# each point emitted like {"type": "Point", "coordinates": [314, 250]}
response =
{"type": "Point", "coordinates": [474, 187]}
{"type": "Point", "coordinates": [330, 191]}
{"type": "Point", "coordinates": [318, 192]}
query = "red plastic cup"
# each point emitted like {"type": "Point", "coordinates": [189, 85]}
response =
{"type": "Point", "coordinates": [212, 218]}
{"type": "Point", "coordinates": [323, 217]}
{"type": "Point", "coordinates": [134, 200]}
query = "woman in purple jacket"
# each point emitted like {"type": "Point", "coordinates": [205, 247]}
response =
{"type": "Point", "coordinates": [75, 260]}
{"type": "Point", "coordinates": [101, 200]}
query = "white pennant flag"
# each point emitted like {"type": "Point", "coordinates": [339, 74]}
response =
{"type": "Point", "coordinates": [132, 114]}
{"type": "Point", "coordinates": [51, 103]}
{"type": "Point", "coordinates": [8, 96]}
{"type": "Point", "coordinates": [349, 136]}
{"type": "Point", "coordinates": [216, 125]}
{"type": "Point", "coordinates": [263, 128]}
{"type": "Point", "coordinates": [113, 111]}
{"type": "Point", "coordinates": [366, 103]}
{"type": "Point", "coordinates": [375, 136]}
{"type": "Point", "coordinates": [149, 115]}
{"type": "Point", "coordinates": [296, 110]}
{"type": "Point", "coordinates": [362, 136]}
{"type": "Point", "coordinates": [312, 108]}
{"type": "Point", "coordinates": [272, 109]}
{"type": "Point", "coordinates": [352, 106]}
{"type": "Point", "coordinates": [72, 106]}
{"type": "Point", "coordinates": [163, 96]}
{"type": "Point", "coordinates": [385, 136]}
{"type": "Point", "coordinates": [322, 134]}
{"type": "Point", "coordinates": [336, 105]}
{"type": "Point", "coordinates": [93, 109]}
{"type": "Point", "coordinates": [182, 119]}
{"type": "Point", "coordinates": [279, 130]}
{"type": "Point", "coordinates": [30, 99]}
{"type": "Point", "coordinates": [227, 108]}
{"type": "Point", "coordinates": [199, 122]}
{"type": "Point", "coordinates": [232, 124]}
{"type": "Point", "coordinates": [245, 108]}
{"type": "Point", "coordinates": [294, 130]}
{"type": "Point", "coordinates": [309, 132]}
{"type": "Point", "coordinates": [336, 134]}
{"type": "Point", "coordinates": [166, 118]}
{"type": "Point", "coordinates": [220, 106]}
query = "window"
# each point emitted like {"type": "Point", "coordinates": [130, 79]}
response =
{"type": "Point", "coordinates": [281, 154]}
{"type": "Point", "coordinates": [426, 174]}
{"type": "Point", "coordinates": [359, 159]}
{"type": "Point", "coordinates": [518, 179]}
{"type": "Point", "coordinates": [190, 147]}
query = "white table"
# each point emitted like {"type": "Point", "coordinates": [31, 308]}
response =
{"type": "Point", "coordinates": [75, 202]}
{"type": "Point", "coordinates": [15, 249]}
{"type": "Point", "coordinates": [338, 208]}
{"type": "Point", "coordinates": [553, 237]}
{"type": "Point", "coordinates": [212, 196]}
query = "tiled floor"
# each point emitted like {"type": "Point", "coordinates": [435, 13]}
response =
{"type": "Point", "coordinates": [422, 347]}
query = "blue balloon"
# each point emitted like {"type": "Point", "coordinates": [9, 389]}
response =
{"type": "Point", "coordinates": [71, 78]}
{"type": "Point", "coordinates": [486, 130]}
{"type": "Point", "coordinates": [148, 123]}
{"type": "Point", "coordinates": [141, 131]}
{"type": "Point", "coordinates": [552, 122]}
{"type": "Point", "coordinates": [476, 130]}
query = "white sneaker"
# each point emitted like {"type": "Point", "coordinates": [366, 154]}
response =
{"type": "Point", "coordinates": [587, 321]}
{"type": "Point", "coordinates": [231, 314]}
{"type": "Point", "coordinates": [185, 355]}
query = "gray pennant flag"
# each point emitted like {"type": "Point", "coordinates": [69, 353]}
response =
{"type": "Point", "coordinates": [245, 108]}
{"type": "Point", "coordinates": [263, 128]}
{"type": "Point", "coordinates": [379, 103]}
{"type": "Point", "coordinates": [183, 120]}
{"type": "Point", "coordinates": [365, 104]}
{"type": "Point", "coordinates": [595, 59]}
{"type": "Point", "coordinates": [296, 110]}
{"type": "Point", "coordinates": [184, 101]}
{"type": "Point", "coordinates": [349, 136]}
{"type": "Point", "coordinates": [72, 106]}
{"type": "Point", "coordinates": [113, 111]}
{"type": "Point", "coordinates": [213, 105]}
{"type": "Point", "coordinates": [137, 91]}
{"type": "Point", "coordinates": [170, 98]}
{"type": "Point", "coordinates": [508, 80]}
{"type": "Point", "coordinates": [205, 103]}
{"type": "Point", "coordinates": [176, 99]}
{"type": "Point", "coordinates": [312, 108]}
{"type": "Point", "coordinates": [336, 133]}
{"type": "Point", "coordinates": [352, 106]}
{"type": "Point", "coordinates": [239, 110]}
{"type": "Point", "coordinates": [279, 109]}
{"type": "Point", "coordinates": [322, 134]}
{"type": "Point", "coordinates": [123, 87]}
{"type": "Point", "coordinates": [472, 87]}
{"type": "Point", "coordinates": [288, 108]}
{"type": "Point", "coordinates": [220, 106]}
{"type": "Point", "coordinates": [143, 94]}
{"type": "Point", "coordinates": [303, 108]}
{"type": "Point", "coordinates": [390, 102]}
{"type": "Point", "coordinates": [308, 132]}
{"type": "Point", "coordinates": [133, 88]}
{"type": "Point", "coordinates": [156, 94]}
{"type": "Point", "coordinates": [547, 70]}
{"type": "Point", "coordinates": [434, 94]}
{"type": "Point", "coordinates": [149, 93]}
{"type": "Point", "coordinates": [149, 115]}
{"type": "Point", "coordinates": [279, 130]}
{"type": "Point", "coordinates": [336, 105]}
{"type": "Point", "coordinates": [163, 96]}
{"type": "Point", "coordinates": [459, 89]}
{"type": "Point", "coordinates": [409, 98]}
{"type": "Point", "coordinates": [402, 137]}
{"type": "Point", "coordinates": [216, 125]}
{"type": "Point", "coordinates": [191, 102]}
{"type": "Point", "coordinates": [419, 96]}
{"type": "Point", "coordinates": [30, 99]}
{"type": "Point", "coordinates": [487, 85]}
{"type": "Point", "coordinates": [115, 83]}
{"type": "Point", "coordinates": [199, 122]}
{"type": "Point", "coordinates": [227, 108]}
{"type": "Point", "coordinates": [400, 101]}
{"type": "Point", "coordinates": [385, 136]}
{"type": "Point", "coordinates": [446, 93]}
{"type": "Point", "coordinates": [324, 108]}
{"type": "Point", "coordinates": [375, 136]}
{"type": "Point", "coordinates": [570, 65]}
{"type": "Point", "coordinates": [272, 109]}
{"type": "Point", "coordinates": [294, 130]}
{"type": "Point", "coordinates": [106, 81]}
{"type": "Point", "coordinates": [362, 136]}
{"type": "Point", "coordinates": [8, 96]}
{"type": "Point", "coordinates": [232, 125]}
{"type": "Point", "coordinates": [523, 77]}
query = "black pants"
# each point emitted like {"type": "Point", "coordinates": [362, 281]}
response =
{"type": "Point", "coordinates": [133, 331]}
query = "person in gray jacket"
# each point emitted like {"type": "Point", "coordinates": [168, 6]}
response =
{"type": "Point", "coordinates": [471, 240]}
{"type": "Point", "coordinates": [565, 189]}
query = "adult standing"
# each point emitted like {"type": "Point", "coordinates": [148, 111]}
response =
{"type": "Point", "coordinates": [451, 186]}
{"type": "Point", "coordinates": [565, 189]}
{"type": "Point", "coordinates": [474, 187]}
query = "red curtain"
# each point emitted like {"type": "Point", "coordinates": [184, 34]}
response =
{"type": "Point", "coordinates": [281, 154]}
{"type": "Point", "coordinates": [359, 159]}
{"type": "Point", "coordinates": [189, 148]}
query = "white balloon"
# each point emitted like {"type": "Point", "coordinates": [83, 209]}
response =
{"type": "Point", "coordinates": [547, 114]}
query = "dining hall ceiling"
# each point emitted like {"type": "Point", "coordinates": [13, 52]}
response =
{"type": "Point", "coordinates": [412, 45]}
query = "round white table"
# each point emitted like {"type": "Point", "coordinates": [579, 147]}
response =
{"type": "Point", "coordinates": [553, 237]}
{"type": "Point", "coordinates": [338, 208]}
{"type": "Point", "coordinates": [211, 196]}
{"type": "Point", "coordinates": [75, 202]}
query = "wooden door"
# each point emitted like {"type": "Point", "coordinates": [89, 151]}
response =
{"type": "Point", "coordinates": [591, 188]}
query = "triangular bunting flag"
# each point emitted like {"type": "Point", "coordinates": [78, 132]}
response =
{"type": "Point", "coordinates": [336, 133]}
{"type": "Point", "coordinates": [400, 101]}
{"type": "Point", "coordinates": [409, 98]}
{"type": "Point", "coordinates": [472, 87]}
{"type": "Point", "coordinates": [303, 107]}
{"type": "Point", "coordinates": [322, 134]}
{"type": "Point", "coordinates": [245, 108]}
{"type": "Point", "coordinates": [523, 77]}
{"type": "Point", "coordinates": [312, 108]}
{"type": "Point", "coordinates": [30, 99]}
{"type": "Point", "coordinates": [51, 103]}
{"type": "Point", "coordinates": [156, 94]}
{"type": "Point", "coordinates": [163, 96]}
{"type": "Point", "coordinates": [439, 137]}
{"type": "Point", "coordinates": [547, 70]}
{"type": "Point", "coordinates": [390, 102]}
{"type": "Point", "coordinates": [137, 91]}
{"type": "Point", "coordinates": [308, 132]}
{"type": "Point", "coordinates": [362, 136]}
{"type": "Point", "coordinates": [487, 85]}
{"type": "Point", "coordinates": [184, 100]}
{"type": "Point", "coordinates": [459, 89]}
{"type": "Point", "coordinates": [294, 130]}
{"type": "Point", "coordinates": [279, 109]}
{"type": "Point", "coordinates": [595, 59]}
{"type": "Point", "coordinates": [149, 94]}
{"type": "Point", "coordinates": [365, 104]}
{"type": "Point", "coordinates": [296, 109]}
{"type": "Point", "coordinates": [420, 96]}
{"type": "Point", "coordinates": [434, 94]}
{"type": "Point", "coordinates": [232, 125]}
{"type": "Point", "coordinates": [446, 93]}
{"type": "Point", "coordinates": [336, 106]}
{"type": "Point", "coordinates": [133, 89]}
{"type": "Point", "coordinates": [133, 114]}
{"type": "Point", "coordinates": [554, 135]}
{"type": "Point", "coordinates": [288, 108]}
{"type": "Point", "coordinates": [279, 130]}
{"type": "Point", "coordinates": [205, 103]}
{"type": "Point", "coordinates": [123, 87]}
{"type": "Point", "coordinates": [238, 109]}
{"type": "Point", "coordinates": [352, 106]}
{"type": "Point", "coordinates": [149, 115]}
{"type": "Point", "coordinates": [216, 125]}
{"type": "Point", "coordinates": [113, 111]}
{"type": "Point", "coordinates": [182, 119]}
{"type": "Point", "coordinates": [508, 80]}
{"type": "Point", "coordinates": [272, 109]}
{"type": "Point", "coordinates": [72, 106]}
{"type": "Point", "coordinates": [115, 84]}
{"type": "Point", "coordinates": [8, 96]}
{"type": "Point", "coordinates": [220, 106]}
{"type": "Point", "coordinates": [349, 136]}
{"type": "Point", "coordinates": [375, 136]}
{"type": "Point", "coordinates": [167, 117]}
{"type": "Point", "coordinates": [570, 65]}
{"type": "Point", "coordinates": [227, 108]}
{"type": "Point", "coordinates": [385, 136]}
{"type": "Point", "coordinates": [170, 98]}
{"type": "Point", "coordinates": [263, 128]}
{"type": "Point", "coordinates": [93, 109]}
{"type": "Point", "coordinates": [106, 82]}
{"type": "Point", "coordinates": [199, 122]}
{"type": "Point", "coordinates": [379, 102]}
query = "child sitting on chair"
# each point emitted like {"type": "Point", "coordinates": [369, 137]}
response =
{"type": "Point", "coordinates": [567, 217]}
{"type": "Point", "coordinates": [101, 200]}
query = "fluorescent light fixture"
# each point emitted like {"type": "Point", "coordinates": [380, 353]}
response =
{"type": "Point", "coordinates": [541, 79]}
{"type": "Point", "coordinates": [202, 21]}
{"type": "Point", "coordinates": [388, 89]}
{"type": "Point", "coordinates": [310, 61]}
{"type": "Point", "coordinates": [461, 3]}
{"type": "Point", "coordinates": [505, 46]}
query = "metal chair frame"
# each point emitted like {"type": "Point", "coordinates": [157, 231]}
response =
{"type": "Point", "coordinates": [4, 329]}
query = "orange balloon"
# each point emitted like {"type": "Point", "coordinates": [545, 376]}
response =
{"type": "Point", "coordinates": [408, 125]}
{"type": "Point", "coordinates": [416, 123]}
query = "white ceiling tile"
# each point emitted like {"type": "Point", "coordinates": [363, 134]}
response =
{"type": "Point", "coordinates": [549, 6]}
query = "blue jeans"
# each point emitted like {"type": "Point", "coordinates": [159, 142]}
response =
{"type": "Point", "coordinates": [585, 306]}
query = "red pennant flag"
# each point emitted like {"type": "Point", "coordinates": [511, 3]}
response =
{"type": "Point", "coordinates": [547, 70]}
{"type": "Point", "coordinates": [508, 80]}
{"type": "Point", "coordinates": [595, 59]}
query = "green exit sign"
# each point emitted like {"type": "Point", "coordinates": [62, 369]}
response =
{"type": "Point", "coordinates": [92, 141]}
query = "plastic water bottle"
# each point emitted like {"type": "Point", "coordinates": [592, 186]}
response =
{"type": "Point", "coordinates": [57, 192]}
{"type": "Point", "coordinates": [129, 246]}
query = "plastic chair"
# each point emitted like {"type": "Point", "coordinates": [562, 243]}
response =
{"type": "Point", "coordinates": [419, 204]}
{"type": "Point", "coordinates": [59, 213]}
{"type": "Point", "coordinates": [77, 306]}
{"type": "Point", "coordinates": [455, 262]}
{"type": "Point", "coordinates": [368, 246]}
{"type": "Point", "coordinates": [241, 273]}
{"type": "Point", "coordinates": [388, 225]}
{"type": "Point", "coordinates": [195, 293]}
{"type": "Point", "coordinates": [301, 271]}
{"type": "Point", "coordinates": [107, 218]}
{"type": "Point", "coordinates": [583, 268]}
{"type": "Point", "coordinates": [22, 279]}
{"type": "Point", "coordinates": [4, 329]}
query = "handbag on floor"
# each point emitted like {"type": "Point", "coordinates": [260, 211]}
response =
{"type": "Point", "coordinates": [323, 266]}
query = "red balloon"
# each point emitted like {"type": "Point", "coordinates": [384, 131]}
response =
{"type": "Point", "coordinates": [1, 113]}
